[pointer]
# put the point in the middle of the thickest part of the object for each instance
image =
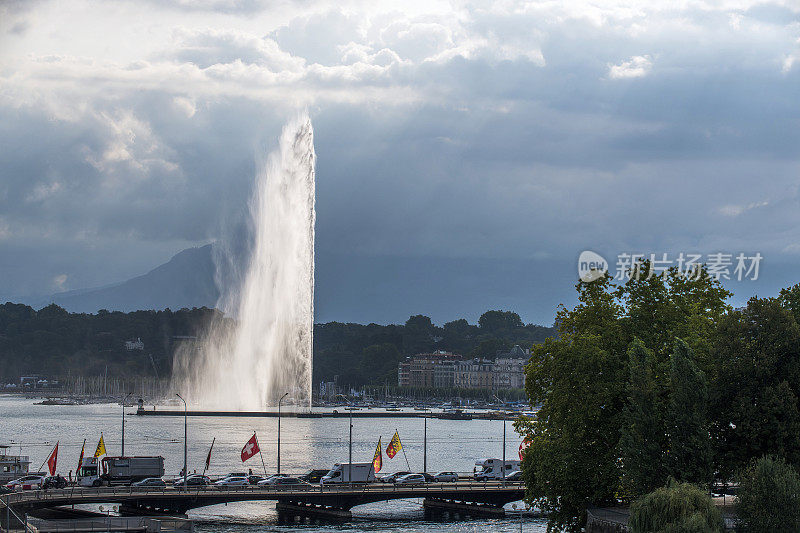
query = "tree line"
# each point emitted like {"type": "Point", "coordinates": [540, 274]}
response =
{"type": "Point", "coordinates": [54, 342]}
{"type": "Point", "coordinates": [657, 381]}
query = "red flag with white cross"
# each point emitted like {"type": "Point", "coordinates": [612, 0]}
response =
{"type": "Point", "coordinates": [250, 449]}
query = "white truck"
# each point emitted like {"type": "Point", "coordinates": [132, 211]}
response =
{"type": "Point", "coordinates": [492, 469]}
{"type": "Point", "coordinates": [118, 470]}
{"type": "Point", "coordinates": [349, 473]}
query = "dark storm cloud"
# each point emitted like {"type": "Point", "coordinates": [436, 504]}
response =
{"type": "Point", "coordinates": [487, 135]}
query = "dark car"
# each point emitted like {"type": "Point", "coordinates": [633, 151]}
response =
{"type": "Point", "coordinates": [54, 482]}
{"type": "Point", "coordinates": [194, 480]}
{"type": "Point", "coordinates": [429, 478]}
{"type": "Point", "coordinates": [514, 476]}
{"type": "Point", "coordinates": [287, 481]}
{"type": "Point", "coordinates": [254, 479]}
{"type": "Point", "coordinates": [314, 476]}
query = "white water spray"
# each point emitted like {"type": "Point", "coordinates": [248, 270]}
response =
{"type": "Point", "coordinates": [264, 350]}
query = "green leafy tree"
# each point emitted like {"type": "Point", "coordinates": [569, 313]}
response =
{"type": "Point", "coordinates": [572, 458]}
{"type": "Point", "coordinates": [790, 299]}
{"type": "Point", "coordinates": [689, 439]}
{"type": "Point", "coordinates": [769, 497]}
{"type": "Point", "coordinates": [642, 443]}
{"type": "Point", "coordinates": [676, 508]}
{"type": "Point", "coordinates": [581, 382]}
{"type": "Point", "coordinates": [755, 384]}
{"type": "Point", "coordinates": [499, 321]}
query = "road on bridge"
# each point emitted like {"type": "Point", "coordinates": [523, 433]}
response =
{"type": "Point", "coordinates": [340, 496]}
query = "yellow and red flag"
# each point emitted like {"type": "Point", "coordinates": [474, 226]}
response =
{"type": "Point", "coordinates": [101, 447]}
{"type": "Point", "coordinates": [377, 461]}
{"type": "Point", "coordinates": [394, 446]}
{"type": "Point", "coordinates": [80, 459]}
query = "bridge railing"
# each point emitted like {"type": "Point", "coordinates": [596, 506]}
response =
{"type": "Point", "coordinates": [128, 492]}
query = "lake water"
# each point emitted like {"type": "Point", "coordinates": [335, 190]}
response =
{"type": "Point", "coordinates": [453, 445]}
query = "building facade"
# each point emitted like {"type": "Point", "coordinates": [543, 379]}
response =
{"type": "Point", "coordinates": [436, 369]}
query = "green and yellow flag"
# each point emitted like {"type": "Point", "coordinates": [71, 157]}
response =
{"type": "Point", "coordinates": [101, 447]}
{"type": "Point", "coordinates": [377, 460]}
{"type": "Point", "coordinates": [394, 446]}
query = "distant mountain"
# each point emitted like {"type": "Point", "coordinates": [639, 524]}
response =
{"type": "Point", "coordinates": [186, 280]}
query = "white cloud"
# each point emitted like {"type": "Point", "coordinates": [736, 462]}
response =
{"type": "Point", "coordinates": [635, 67]}
{"type": "Point", "coordinates": [732, 210]}
{"type": "Point", "coordinates": [60, 282]}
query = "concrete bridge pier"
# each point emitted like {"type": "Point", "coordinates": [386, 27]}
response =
{"type": "Point", "coordinates": [442, 509]}
{"type": "Point", "coordinates": [291, 512]}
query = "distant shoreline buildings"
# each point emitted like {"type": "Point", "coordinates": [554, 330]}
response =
{"type": "Point", "coordinates": [446, 370]}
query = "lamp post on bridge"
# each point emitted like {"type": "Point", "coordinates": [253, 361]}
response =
{"type": "Point", "coordinates": [425, 440]}
{"type": "Point", "coordinates": [123, 422]}
{"type": "Point", "coordinates": [350, 453]}
{"type": "Point", "coordinates": [185, 441]}
{"type": "Point", "coordinates": [279, 431]}
{"type": "Point", "coordinates": [503, 468]}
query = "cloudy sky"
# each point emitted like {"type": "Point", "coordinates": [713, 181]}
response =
{"type": "Point", "coordinates": [467, 152]}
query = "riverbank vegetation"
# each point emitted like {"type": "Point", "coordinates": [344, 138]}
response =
{"type": "Point", "coordinates": [657, 378]}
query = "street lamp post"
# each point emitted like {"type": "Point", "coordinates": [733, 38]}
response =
{"type": "Point", "coordinates": [185, 440]}
{"type": "Point", "coordinates": [279, 431]}
{"type": "Point", "coordinates": [123, 423]}
{"type": "Point", "coordinates": [425, 441]}
{"type": "Point", "coordinates": [350, 449]}
{"type": "Point", "coordinates": [503, 468]}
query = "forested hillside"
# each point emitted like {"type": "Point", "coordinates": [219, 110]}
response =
{"type": "Point", "coordinates": [54, 342]}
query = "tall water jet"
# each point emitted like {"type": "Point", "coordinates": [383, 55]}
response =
{"type": "Point", "coordinates": [263, 348]}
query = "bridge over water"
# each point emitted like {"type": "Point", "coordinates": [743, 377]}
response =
{"type": "Point", "coordinates": [442, 500]}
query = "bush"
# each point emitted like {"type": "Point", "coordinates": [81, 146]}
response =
{"type": "Point", "coordinates": [769, 496]}
{"type": "Point", "coordinates": [676, 508]}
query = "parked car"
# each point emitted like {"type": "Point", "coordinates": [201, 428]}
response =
{"type": "Point", "coordinates": [272, 479]}
{"type": "Point", "coordinates": [411, 479]}
{"type": "Point", "coordinates": [194, 480]}
{"type": "Point", "coordinates": [233, 481]}
{"type": "Point", "coordinates": [150, 482]}
{"type": "Point", "coordinates": [314, 476]}
{"type": "Point", "coordinates": [429, 478]}
{"type": "Point", "coordinates": [54, 482]}
{"type": "Point", "coordinates": [446, 477]}
{"type": "Point", "coordinates": [26, 483]}
{"type": "Point", "coordinates": [514, 476]}
{"type": "Point", "coordinates": [391, 478]}
{"type": "Point", "coordinates": [254, 479]}
{"type": "Point", "coordinates": [287, 481]}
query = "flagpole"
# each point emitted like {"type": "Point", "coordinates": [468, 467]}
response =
{"type": "Point", "coordinates": [208, 459]}
{"type": "Point", "coordinates": [48, 457]}
{"type": "Point", "coordinates": [402, 448]}
{"type": "Point", "coordinates": [260, 454]}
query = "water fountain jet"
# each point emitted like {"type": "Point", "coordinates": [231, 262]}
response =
{"type": "Point", "coordinates": [263, 348]}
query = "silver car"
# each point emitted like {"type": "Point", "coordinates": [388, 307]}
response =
{"type": "Point", "coordinates": [411, 479]}
{"type": "Point", "coordinates": [446, 477]}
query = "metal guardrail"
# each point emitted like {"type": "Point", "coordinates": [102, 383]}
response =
{"type": "Point", "coordinates": [121, 493]}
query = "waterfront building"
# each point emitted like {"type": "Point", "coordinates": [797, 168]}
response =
{"type": "Point", "coordinates": [474, 374]}
{"type": "Point", "coordinates": [436, 369]}
{"type": "Point", "coordinates": [509, 369]}
{"type": "Point", "coordinates": [509, 373]}
{"type": "Point", "coordinates": [404, 373]}
{"type": "Point", "coordinates": [134, 345]}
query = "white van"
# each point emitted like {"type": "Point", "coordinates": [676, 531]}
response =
{"type": "Point", "coordinates": [492, 469]}
{"type": "Point", "coordinates": [347, 473]}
